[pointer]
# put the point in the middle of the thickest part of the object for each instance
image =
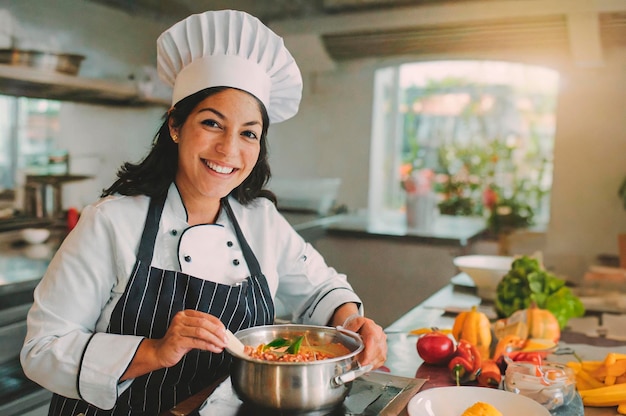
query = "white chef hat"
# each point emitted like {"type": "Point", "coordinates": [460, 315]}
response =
{"type": "Point", "coordinates": [230, 48]}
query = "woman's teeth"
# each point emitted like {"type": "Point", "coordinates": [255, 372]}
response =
{"type": "Point", "coordinates": [218, 168]}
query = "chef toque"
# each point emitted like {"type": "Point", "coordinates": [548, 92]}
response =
{"type": "Point", "coordinates": [231, 49]}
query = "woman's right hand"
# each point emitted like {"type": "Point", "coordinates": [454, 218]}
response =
{"type": "Point", "coordinates": [189, 329]}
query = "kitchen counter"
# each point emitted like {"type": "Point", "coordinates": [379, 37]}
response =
{"type": "Point", "coordinates": [23, 265]}
{"type": "Point", "coordinates": [439, 310]}
{"type": "Point", "coordinates": [21, 268]}
{"type": "Point", "coordinates": [445, 230]}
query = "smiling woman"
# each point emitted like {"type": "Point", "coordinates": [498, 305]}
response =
{"type": "Point", "coordinates": [187, 243]}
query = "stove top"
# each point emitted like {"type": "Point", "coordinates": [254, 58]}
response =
{"type": "Point", "coordinates": [375, 393]}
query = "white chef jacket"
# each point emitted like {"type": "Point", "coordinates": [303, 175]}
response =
{"type": "Point", "coordinates": [67, 323]}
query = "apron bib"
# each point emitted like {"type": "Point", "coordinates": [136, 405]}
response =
{"type": "Point", "coordinates": [151, 299]}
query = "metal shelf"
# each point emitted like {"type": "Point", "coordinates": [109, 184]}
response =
{"type": "Point", "coordinates": [28, 82]}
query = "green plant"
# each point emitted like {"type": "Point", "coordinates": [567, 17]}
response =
{"type": "Point", "coordinates": [508, 214]}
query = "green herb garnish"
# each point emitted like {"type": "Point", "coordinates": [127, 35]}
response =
{"type": "Point", "coordinates": [295, 346]}
{"type": "Point", "coordinates": [276, 343]}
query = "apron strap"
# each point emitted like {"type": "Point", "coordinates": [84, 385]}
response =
{"type": "Point", "coordinates": [251, 260]}
{"type": "Point", "coordinates": [150, 230]}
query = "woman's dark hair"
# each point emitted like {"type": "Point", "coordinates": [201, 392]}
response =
{"type": "Point", "coordinates": [154, 174]}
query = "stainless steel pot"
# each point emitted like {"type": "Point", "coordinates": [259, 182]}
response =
{"type": "Point", "coordinates": [308, 386]}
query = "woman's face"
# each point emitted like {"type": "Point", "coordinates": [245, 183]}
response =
{"type": "Point", "coordinates": [218, 145]}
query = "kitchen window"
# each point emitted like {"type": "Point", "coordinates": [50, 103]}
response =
{"type": "Point", "coordinates": [29, 130]}
{"type": "Point", "coordinates": [477, 125]}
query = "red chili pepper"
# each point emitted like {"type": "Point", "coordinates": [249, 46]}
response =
{"type": "Point", "coordinates": [531, 357]}
{"type": "Point", "coordinates": [466, 363]}
{"type": "Point", "coordinates": [464, 349]}
{"type": "Point", "coordinates": [460, 369]}
{"type": "Point", "coordinates": [477, 359]}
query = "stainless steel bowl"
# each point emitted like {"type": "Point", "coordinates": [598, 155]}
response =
{"type": "Point", "coordinates": [308, 386]}
{"type": "Point", "coordinates": [65, 63]}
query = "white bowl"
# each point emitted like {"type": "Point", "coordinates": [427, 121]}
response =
{"type": "Point", "coordinates": [486, 271]}
{"type": "Point", "coordinates": [452, 401]}
{"type": "Point", "coordinates": [35, 235]}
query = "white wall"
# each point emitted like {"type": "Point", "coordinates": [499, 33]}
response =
{"type": "Point", "coordinates": [590, 164]}
{"type": "Point", "coordinates": [330, 136]}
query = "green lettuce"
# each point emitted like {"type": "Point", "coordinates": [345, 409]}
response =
{"type": "Point", "coordinates": [527, 283]}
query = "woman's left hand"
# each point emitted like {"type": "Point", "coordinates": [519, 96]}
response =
{"type": "Point", "coordinates": [374, 340]}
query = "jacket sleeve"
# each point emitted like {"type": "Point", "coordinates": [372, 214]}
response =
{"type": "Point", "coordinates": [62, 350]}
{"type": "Point", "coordinates": [308, 289]}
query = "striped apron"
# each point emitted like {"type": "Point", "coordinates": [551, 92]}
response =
{"type": "Point", "coordinates": [151, 299]}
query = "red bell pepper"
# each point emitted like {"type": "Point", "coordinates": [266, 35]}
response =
{"type": "Point", "coordinates": [465, 364]}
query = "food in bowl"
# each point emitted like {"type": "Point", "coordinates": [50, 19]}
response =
{"type": "Point", "coordinates": [296, 349]}
{"type": "Point", "coordinates": [481, 409]}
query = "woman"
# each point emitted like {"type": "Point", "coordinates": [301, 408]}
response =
{"type": "Point", "coordinates": [130, 317]}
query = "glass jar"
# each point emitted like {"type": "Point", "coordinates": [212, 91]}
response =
{"type": "Point", "coordinates": [550, 384]}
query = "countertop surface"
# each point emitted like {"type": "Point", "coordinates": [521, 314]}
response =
{"type": "Point", "coordinates": [439, 310]}
{"type": "Point", "coordinates": [445, 229]}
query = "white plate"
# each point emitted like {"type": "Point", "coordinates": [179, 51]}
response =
{"type": "Point", "coordinates": [452, 401]}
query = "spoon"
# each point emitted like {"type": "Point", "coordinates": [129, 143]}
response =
{"type": "Point", "coordinates": [234, 346]}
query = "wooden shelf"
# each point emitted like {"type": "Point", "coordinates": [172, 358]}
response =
{"type": "Point", "coordinates": [28, 82]}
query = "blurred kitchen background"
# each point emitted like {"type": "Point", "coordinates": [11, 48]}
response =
{"type": "Point", "coordinates": [79, 96]}
{"type": "Point", "coordinates": [506, 119]}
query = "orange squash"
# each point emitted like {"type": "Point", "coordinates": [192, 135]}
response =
{"type": "Point", "coordinates": [533, 322]}
{"type": "Point", "coordinates": [474, 327]}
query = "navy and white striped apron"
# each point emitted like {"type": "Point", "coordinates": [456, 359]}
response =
{"type": "Point", "coordinates": [151, 299]}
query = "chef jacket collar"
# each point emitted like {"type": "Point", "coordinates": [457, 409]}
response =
{"type": "Point", "coordinates": [174, 203]}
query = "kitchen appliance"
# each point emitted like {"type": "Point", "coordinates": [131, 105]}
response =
{"type": "Point", "coordinates": [296, 386]}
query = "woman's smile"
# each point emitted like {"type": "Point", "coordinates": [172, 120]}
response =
{"type": "Point", "coordinates": [218, 168]}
